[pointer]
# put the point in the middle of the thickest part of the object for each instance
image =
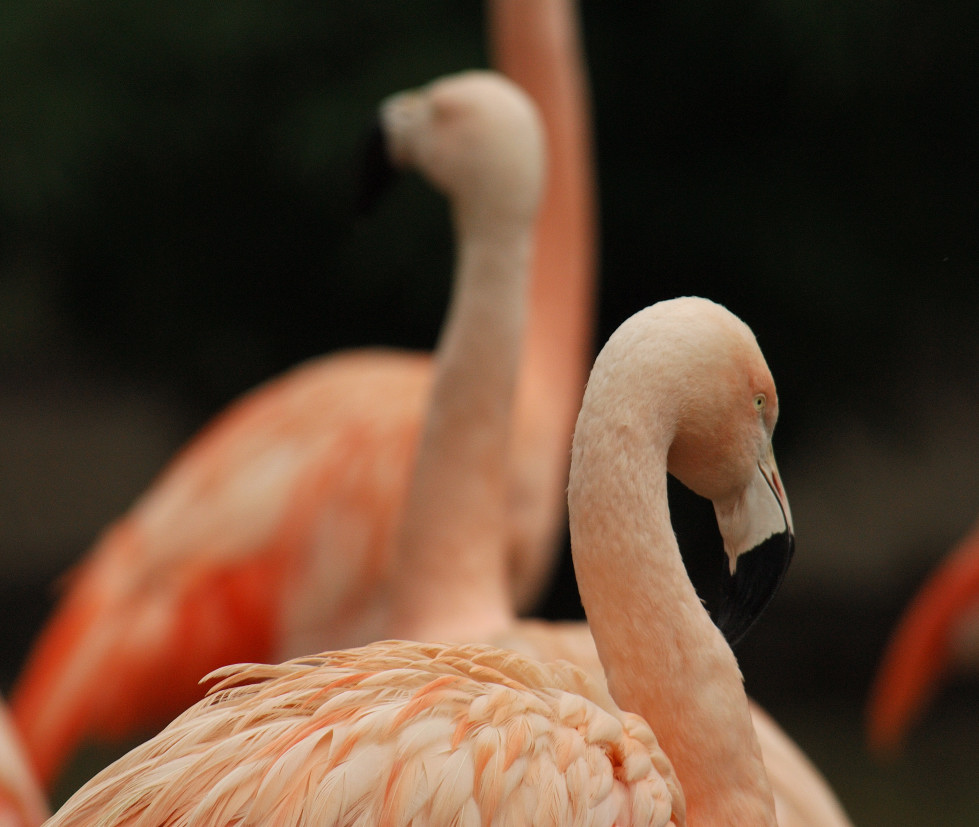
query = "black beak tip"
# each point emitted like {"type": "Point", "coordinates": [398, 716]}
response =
{"type": "Point", "coordinates": [377, 172]}
{"type": "Point", "coordinates": [750, 589]}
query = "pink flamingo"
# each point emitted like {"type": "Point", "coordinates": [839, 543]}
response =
{"type": "Point", "coordinates": [21, 801]}
{"type": "Point", "coordinates": [399, 733]}
{"type": "Point", "coordinates": [452, 544]}
{"type": "Point", "coordinates": [271, 533]}
{"type": "Point", "coordinates": [939, 629]}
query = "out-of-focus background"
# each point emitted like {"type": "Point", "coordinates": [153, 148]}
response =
{"type": "Point", "coordinates": [176, 224]}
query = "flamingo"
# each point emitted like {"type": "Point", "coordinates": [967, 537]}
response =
{"type": "Point", "coordinates": [938, 630]}
{"type": "Point", "coordinates": [432, 733]}
{"type": "Point", "coordinates": [270, 534]}
{"type": "Point", "coordinates": [21, 801]}
{"type": "Point", "coordinates": [452, 587]}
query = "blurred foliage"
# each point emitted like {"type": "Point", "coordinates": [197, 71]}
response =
{"type": "Point", "coordinates": [176, 183]}
{"type": "Point", "coordinates": [180, 180]}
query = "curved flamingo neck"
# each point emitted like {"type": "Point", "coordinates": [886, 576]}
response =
{"type": "Point", "coordinates": [663, 657]}
{"type": "Point", "coordinates": [451, 581]}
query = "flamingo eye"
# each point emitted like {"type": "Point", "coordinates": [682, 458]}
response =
{"type": "Point", "coordinates": [760, 401]}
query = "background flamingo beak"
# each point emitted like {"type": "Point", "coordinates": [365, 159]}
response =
{"type": "Point", "coordinates": [377, 172]}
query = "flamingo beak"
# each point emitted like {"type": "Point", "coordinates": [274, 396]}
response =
{"type": "Point", "coordinates": [378, 172]}
{"type": "Point", "coordinates": [757, 529]}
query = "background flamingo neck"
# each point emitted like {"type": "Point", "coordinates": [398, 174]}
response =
{"type": "Point", "coordinates": [451, 577]}
{"type": "Point", "coordinates": [663, 657]}
{"type": "Point", "coordinates": [538, 45]}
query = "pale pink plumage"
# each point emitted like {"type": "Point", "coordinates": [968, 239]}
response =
{"type": "Point", "coordinates": [470, 734]}
{"type": "Point", "coordinates": [270, 534]}
{"type": "Point", "coordinates": [390, 734]}
{"type": "Point", "coordinates": [21, 801]}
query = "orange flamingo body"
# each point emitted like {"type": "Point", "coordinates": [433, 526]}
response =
{"type": "Point", "coordinates": [271, 533]}
{"type": "Point", "coordinates": [177, 570]}
{"type": "Point", "coordinates": [939, 627]}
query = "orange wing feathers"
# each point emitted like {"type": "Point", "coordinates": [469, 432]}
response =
{"type": "Point", "coordinates": [190, 580]}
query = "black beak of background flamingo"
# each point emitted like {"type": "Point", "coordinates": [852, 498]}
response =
{"type": "Point", "coordinates": [378, 173]}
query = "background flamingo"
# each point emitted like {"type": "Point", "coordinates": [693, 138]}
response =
{"type": "Point", "coordinates": [296, 489]}
{"type": "Point", "coordinates": [938, 631]}
{"type": "Point", "coordinates": [432, 734]}
{"type": "Point", "coordinates": [476, 137]}
{"type": "Point", "coordinates": [21, 801]}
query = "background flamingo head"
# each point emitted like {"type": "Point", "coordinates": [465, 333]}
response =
{"type": "Point", "coordinates": [471, 132]}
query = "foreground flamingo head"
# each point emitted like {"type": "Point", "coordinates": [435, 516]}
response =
{"type": "Point", "coordinates": [715, 411]}
{"type": "Point", "coordinates": [473, 132]}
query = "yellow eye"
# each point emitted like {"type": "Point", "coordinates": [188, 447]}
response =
{"type": "Point", "coordinates": [760, 401]}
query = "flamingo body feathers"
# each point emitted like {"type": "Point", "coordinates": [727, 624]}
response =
{"type": "Point", "coordinates": [393, 733]}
